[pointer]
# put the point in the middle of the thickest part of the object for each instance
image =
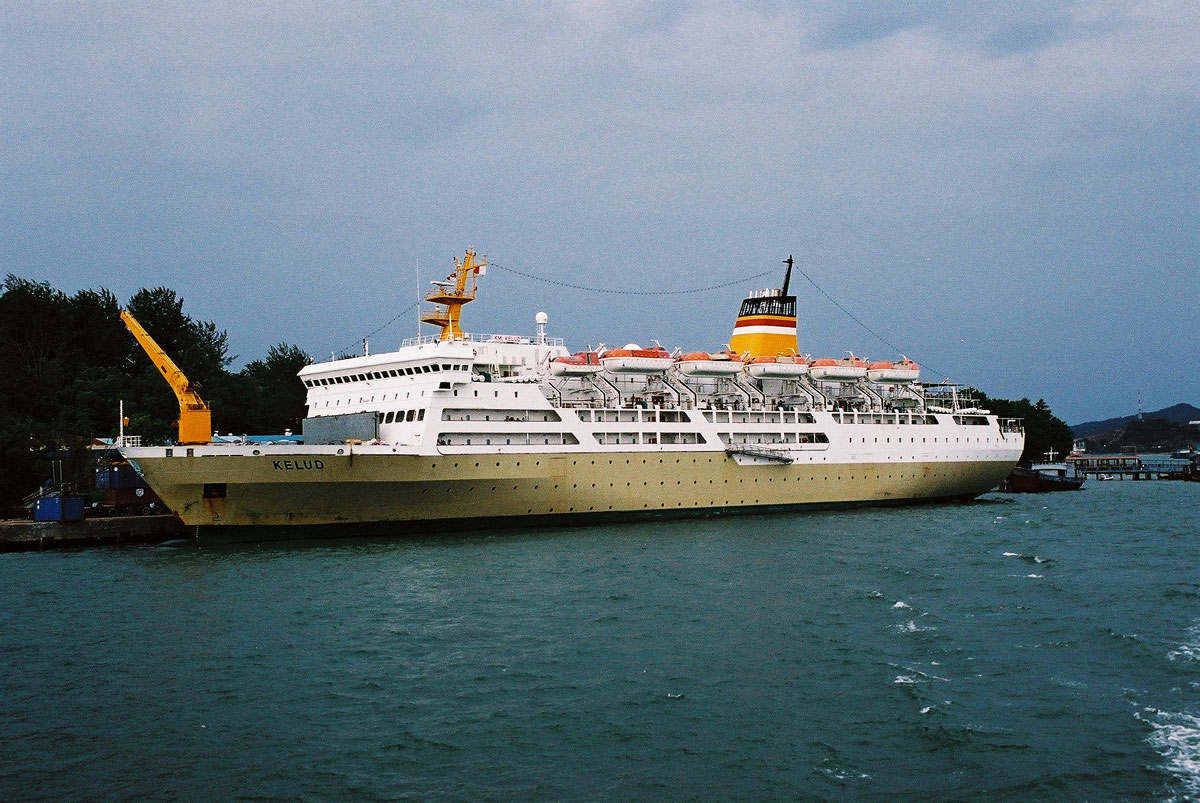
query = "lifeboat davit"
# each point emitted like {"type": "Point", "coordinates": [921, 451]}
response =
{"type": "Point", "coordinates": [701, 363]}
{"type": "Point", "coordinates": [847, 369]}
{"type": "Point", "coordinates": [633, 359]}
{"type": "Point", "coordinates": [904, 371]}
{"type": "Point", "coordinates": [780, 367]}
{"type": "Point", "coordinates": [581, 363]}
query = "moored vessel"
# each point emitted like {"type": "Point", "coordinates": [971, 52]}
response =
{"type": "Point", "coordinates": [507, 429]}
{"type": "Point", "coordinates": [1043, 477]}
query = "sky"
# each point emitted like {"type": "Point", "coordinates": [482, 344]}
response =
{"type": "Point", "coordinates": [1008, 193]}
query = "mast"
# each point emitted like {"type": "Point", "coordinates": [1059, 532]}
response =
{"type": "Point", "coordinates": [451, 294]}
{"type": "Point", "coordinates": [787, 277]}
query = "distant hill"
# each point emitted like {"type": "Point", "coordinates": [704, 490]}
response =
{"type": "Point", "coordinates": [1176, 413]}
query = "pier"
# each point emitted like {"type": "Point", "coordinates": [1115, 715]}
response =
{"type": "Point", "coordinates": [1134, 467]}
{"type": "Point", "coordinates": [22, 535]}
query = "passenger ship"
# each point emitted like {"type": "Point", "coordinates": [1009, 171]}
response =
{"type": "Point", "coordinates": [461, 428]}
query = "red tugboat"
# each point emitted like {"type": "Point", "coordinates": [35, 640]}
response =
{"type": "Point", "coordinates": [1043, 477]}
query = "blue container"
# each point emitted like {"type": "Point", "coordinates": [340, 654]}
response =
{"type": "Point", "coordinates": [58, 508]}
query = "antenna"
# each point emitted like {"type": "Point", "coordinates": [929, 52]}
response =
{"type": "Point", "coordinates": [1139, 404]}
{"type": "Point", "coordinates": [787, 277]}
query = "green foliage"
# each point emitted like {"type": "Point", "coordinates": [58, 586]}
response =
{"type": "Point", "coordinates": [69, 360]}
{"type": "Point", "coordinates": [1043, 430]}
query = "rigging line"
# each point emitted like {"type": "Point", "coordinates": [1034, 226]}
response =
{"type": "Point", "coordinates": [345, 349]}
{"type": "Point", "coordinates": [855, 318]}
{"type": "Point", "coordinates": [611, 291]}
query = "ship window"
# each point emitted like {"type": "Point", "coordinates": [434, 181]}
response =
{"type": "Point", "coordinates": [410, 415]}
{"type": "Point", "coordinates": [389, 418]}
{"type": "Point", "coordinates": [339, 379]}
{"type": "Point", "coordinates": [425, 368]}
{"type": "Point", "coordinates": [436, 367]}
{"type": "Point", "coordinates": [213, 490]}
{"type": "Point", "coordinates": [446, 366]}
{"type": "Point", "coordinates": [420, 415]}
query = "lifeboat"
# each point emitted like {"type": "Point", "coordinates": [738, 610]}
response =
{"type": "Point", "coordinates": [633, 359]}
{"type": "Point", "coordinates": [701, 363]}
{"type": "Point", "coordinates": [847, 369]}
{"type": "Point", "coordinates": [780, 367]}
{"type": "Point", "coordinates": [581, 363]}
{"type": "Point", "coordinates": [904, 371]}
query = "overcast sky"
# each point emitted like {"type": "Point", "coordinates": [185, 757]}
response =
{"type": "Point", "coordinates": [1010, 192]}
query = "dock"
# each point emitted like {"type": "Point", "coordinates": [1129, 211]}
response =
{"type": "Point", "coordinates": [22, 535]}
{"type": "Point", "coordinates": [1134, 467]}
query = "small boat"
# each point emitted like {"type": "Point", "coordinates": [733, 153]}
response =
{"type": "Point", "coordinates": [701, 363]}
{"type": "Point", "coordinates": [898, 372]}
{"type": "Point", "coordinates": [581, 363]}
{"type": "Point", "coordinates": [1043, 477]}
{"type": "Point", "coordinates": [1104, 477]}
{"type": "Point", "coordinates": [780, 367]}
{"type": "Point", "coordinates": [633, 359]}
{"type": "Point", "coordinates": [847, 369]}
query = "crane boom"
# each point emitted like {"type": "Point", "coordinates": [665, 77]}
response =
{"type": "Point", "coordinates": [195, 419]}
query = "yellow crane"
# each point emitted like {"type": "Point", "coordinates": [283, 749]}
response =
{"type": "Point", "coordinates": [195, 419]}
{"type": "Point", "coordinates": [452, 294]}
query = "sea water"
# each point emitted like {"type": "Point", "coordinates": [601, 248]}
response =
{"type": "Point", "coordinates": [1037, 645]}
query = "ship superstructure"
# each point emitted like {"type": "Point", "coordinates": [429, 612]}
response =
{"type": "Point", "coordinates": [463, 427]}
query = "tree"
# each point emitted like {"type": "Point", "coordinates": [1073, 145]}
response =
{"type": "Point", "coordinates": [274, 396]}
{"type": "Point", "coordinates": [1043, 430]}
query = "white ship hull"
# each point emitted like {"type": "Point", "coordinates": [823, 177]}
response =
{"type": "Point", "coordinates": [461, 465]}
